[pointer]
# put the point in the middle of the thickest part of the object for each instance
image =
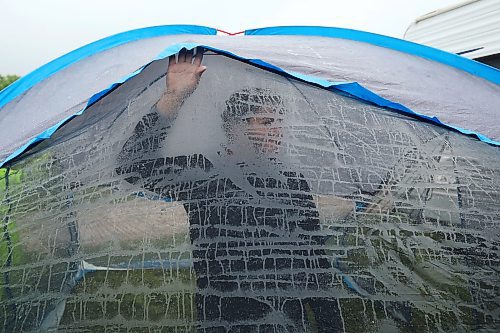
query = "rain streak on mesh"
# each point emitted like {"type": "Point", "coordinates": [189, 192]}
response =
{"type": "Point", "coordinates": [264, 205]}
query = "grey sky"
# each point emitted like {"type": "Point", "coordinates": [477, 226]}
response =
{"type": "Point", "coordinates": [35, 32]}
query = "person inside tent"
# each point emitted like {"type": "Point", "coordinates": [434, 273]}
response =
{"type": "Point", "coordinates": [258, 255]}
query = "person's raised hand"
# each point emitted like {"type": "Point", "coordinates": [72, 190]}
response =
{"type": "Point", "coordinates": [183, 76]}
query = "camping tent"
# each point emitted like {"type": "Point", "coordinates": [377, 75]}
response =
{"type": "Point", "coordinates": [315, 179]}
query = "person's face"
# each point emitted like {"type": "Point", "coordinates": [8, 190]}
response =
{"type": "Point", "coordinates": [264, 130]}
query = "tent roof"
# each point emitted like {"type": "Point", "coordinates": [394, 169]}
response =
{"type": "Point", "coordinates": [395, 70]}
{"type": "Point", "coordinates": [450, 59]}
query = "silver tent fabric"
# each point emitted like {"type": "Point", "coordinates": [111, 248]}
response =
{"type": "Point", "coordinates": [425, 86]}
{"type": "Point", "coordinates": [361, 219]}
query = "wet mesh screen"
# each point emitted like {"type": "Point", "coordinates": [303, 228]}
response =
{"type": "Point", "coordinates": [261, 204]}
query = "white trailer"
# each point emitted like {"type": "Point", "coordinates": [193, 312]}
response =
{"type": "Point", "coordinates": [470, 28]}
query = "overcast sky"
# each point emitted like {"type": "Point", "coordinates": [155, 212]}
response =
{"type": "Point", "coordinates": [35, 32]}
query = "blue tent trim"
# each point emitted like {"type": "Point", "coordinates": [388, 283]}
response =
{"type": "Point", "coordinates": [351, 88]}
{"type": "Point", "coordinates": [38, 75]}
{"type": "Point", "coordinates": [473, 67]}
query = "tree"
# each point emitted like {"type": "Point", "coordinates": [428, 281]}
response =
{"type": "Point", "coordinates": [6, 80]}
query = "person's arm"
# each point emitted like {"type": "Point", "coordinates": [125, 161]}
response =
{"type": "Point", "coordinates": [140, 153]}
{"type": "Point", "coordinates": [183, 76]}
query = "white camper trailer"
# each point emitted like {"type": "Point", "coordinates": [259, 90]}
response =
{"type": "Point", "coordinates": [470, 28]}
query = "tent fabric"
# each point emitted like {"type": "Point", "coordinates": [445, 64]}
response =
{"type": "Point", "coordinates": [342, 216]}
{"type": "Point", "coordinates": [352, 88]}
{"type": "Point", "coordinates": [28, 81]}
{"type": "Point", "coordinates": [450, 59]}
{"type": "Point", "coordinates": [416, 83]}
